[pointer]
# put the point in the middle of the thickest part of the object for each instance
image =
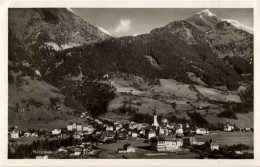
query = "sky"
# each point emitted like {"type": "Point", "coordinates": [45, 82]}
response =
{"type": "Point", "coordinates": [133, 21]}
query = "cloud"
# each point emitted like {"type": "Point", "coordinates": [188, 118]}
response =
{"type": "Point", "coordinates": [123, 26]}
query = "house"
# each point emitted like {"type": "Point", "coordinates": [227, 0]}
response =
{"type": "Point", "coordinates": [107, 135]}
{"type": "Point", "coordinates": [179, 131]}
{"type": "Point", "coordinates": [56, 131]}
{"type": "Point", "coordinates": [166, 143]}
{"type": "Point", "coordinates": [127, 149]}
{"type": "Point", "coordinates": [248, 129]}
{"type": "Point", "coordinates": [70, 127]}
{"type": "Point", "coordinates": [163, 130]}
{"type": "Point", "coordinates": [79, 127]}
{"type": "Point", "coordinates": [74, 152]}
{"type": "Point", "coordinates": [130, 149]}
{"type": "Point", "coordinates": [118, 127]}
{"type": "Point", "coordinates": [27, 134]}
{"type": "Point", "coordinates": [201, 131]}
{"type": "Point", "coordinates": [164, 121]}
{"type": "Point", "coordinates": [122, 135]}
{"type": "Point", "coordinates": [74, 126]}
{"type": "Point", "coordinates": [187, 126]}
{"type": "Point", "coordinates": [109, 128]}
{"type": "Point", "coordinates": [88, 128]}
{"type": "Point", "coordinates": [228, 128]}
{"type": "Point", "coordinates": [34, 135]}
{"type": "Point", "coordinates": [14, 134]}
{"type": "Point", "coordinates": [76, 136]}
{"type": "Point", "coordinates": [214, 146]}
{"type": "Point", "coordinates": [134, 135]}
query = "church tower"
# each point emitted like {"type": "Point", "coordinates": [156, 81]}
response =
{"type": "Point", "coordinates": [155, 121]}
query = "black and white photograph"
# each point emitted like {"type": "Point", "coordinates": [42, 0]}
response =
{"type": "Point", "coordinates": [130, 83]}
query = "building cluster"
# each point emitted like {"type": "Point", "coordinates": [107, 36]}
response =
{"type": "Point", "coordinates": [163, 136]}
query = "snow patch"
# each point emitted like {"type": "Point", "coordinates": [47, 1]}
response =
{"type": "Point", "coordinates": [104, 31]}
{"type": "Point", "coordinates": [62, 47]}
{"type": "Point", "coordinates": [69, 9]}
{"type": "Point", "coordinates": [53, 46]}
{"type": "Point", "coordinates": [238, 25]}
{"type": "Point", "coordinates": [207, 13]}
{"type": "Point", "coordinates": [68, 45]}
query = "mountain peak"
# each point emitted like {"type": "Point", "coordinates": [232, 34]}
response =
{"type": "Point", "coordinates": [206, 12]}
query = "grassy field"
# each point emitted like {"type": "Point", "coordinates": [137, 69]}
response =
{"type": "Point", "coordinates": [48, 126]}
{"type": "Point", "coordinates": [214, 94]}
{"type": "Point", "coordinates": [26, 140]}
{"type": "Point", "coordinates": [229, 138]}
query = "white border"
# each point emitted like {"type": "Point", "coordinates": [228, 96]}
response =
{"type": "Point", "coordinates": [123, 4]}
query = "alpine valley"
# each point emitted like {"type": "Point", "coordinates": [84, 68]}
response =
{"type": "Point", "coordinates": [61, 66]}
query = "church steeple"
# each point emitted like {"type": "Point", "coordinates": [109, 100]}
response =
{"type": "Point", "coordinates": [155, 122]}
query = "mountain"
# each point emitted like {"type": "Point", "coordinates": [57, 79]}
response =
{"type": "Point", "coordinates": [225, 37]}
{"type": "Point", "coordinates": [167, 52]}
{"type": "Point", "coordinates": [41, 32]}
{"type": "Point", "coordinates": [65, 56]}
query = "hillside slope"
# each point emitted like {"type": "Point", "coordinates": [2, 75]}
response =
{"type": "Point", "coordinates": [35, 35]}
{"type": "Point", "coordinates": [168, 52]}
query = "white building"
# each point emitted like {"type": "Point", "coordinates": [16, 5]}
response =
{"type": "Point", "coordinates": [88, 128]}
{"type": "Point", "coordinates": [134, 135]}
{"type": "Point", "coordinates": [201, 131]}
{"type": "Point", "coordinates": [14, 134]}
{"type": "Point", "coordinates": [214, 146]}
{"type": "Point", "coordinates": [150, 133]}
{"type": "Point", "coordinates": [70, 127]}
{"type": "Point", "coordinates": [229, 128]}
{"type": "Point", "coordinates": [34, 135]}
{"type": "Point", "coordinates": [109, 128]}
{"type": "Point", "coordinates": [56, 131]}
{"type": "Point", "coordinates": [179, 131]}
{"type": "Point", "coordinates": [166, 143]}
{"type": "Point", "coordinates": [130, 149]}
{"type": "Point", "coordinates": [163, 131]}
{"type": "Point", "coordinates": [79, 127]}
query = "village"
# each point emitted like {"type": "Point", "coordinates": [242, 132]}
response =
{"type": "Point", "coordinates": [155, 139]}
